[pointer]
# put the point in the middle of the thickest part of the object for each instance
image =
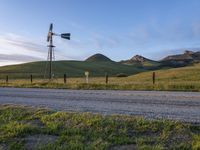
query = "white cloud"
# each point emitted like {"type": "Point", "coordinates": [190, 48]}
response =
{"type": "Point", "coordinates": [17, 58]}
{"type": "Point", "coordinates": [15, 48]}
{"type": "Point", "coordinates": [15, 44]}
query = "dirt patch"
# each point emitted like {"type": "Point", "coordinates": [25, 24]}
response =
{"type": "Point", "coordinates": [34, 141]}
{"type": "Point", "coordinates": [36, 123]}
{"type": "Point", "coordinates": [124, 147]}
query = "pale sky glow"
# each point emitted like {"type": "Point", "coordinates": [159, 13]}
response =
{"type": "Point", "coordinates": [119, 29]}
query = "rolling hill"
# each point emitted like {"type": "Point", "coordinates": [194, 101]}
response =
{"type": "Point", "coordinates": [173, 79]}
{"type": "Point", "coordinates": [182, 74]}
{"type": "Point", "coordinates": [98, 58]}
{"type": "Point", "coordinates": [71, 68]}
{"type": "Point", "coordinates": [98, 65]}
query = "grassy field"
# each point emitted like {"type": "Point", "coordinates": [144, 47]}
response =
{"type": "Point", "coordinates": [178, 79]}
{"type": "Point", "coordinates": [24, 127]}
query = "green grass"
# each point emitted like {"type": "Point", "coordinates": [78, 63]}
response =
{"type": "Point", "coordinates": [179, 79]}
{"type": "Point", "coordinates": [91, 131]}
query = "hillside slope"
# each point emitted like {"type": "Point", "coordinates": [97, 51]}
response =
{"type": "Point", "coordinates": [182, 75]}
{"type": "Point", "coordinates": [71, 68]}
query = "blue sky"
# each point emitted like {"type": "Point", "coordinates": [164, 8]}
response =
{"type": "Point", "coordinates": [119, 29]}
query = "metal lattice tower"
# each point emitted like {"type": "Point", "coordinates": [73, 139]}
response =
{"type": "Point", "coordinates": [51, 55]}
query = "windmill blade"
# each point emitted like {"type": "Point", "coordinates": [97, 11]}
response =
{"type": "Point", "coordinates": [51, 27]}
{"type": "Point", "coordinates": [50, 32]}
{"type": "Point", "coordinates": [66, 36]}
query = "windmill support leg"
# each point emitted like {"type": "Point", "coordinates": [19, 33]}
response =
{"type": "Point", "coordinates": [50, 64]}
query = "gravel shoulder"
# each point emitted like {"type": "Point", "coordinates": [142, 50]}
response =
{"type": "Point", "coordinates": [183, 106]}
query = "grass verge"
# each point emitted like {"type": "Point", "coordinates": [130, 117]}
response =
{"type": "Point", "coordinates": [56, 84]}
{"type": "Point", "coordinates": [25, 128]}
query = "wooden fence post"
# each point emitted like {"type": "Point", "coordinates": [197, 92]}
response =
{"type": "Point", "coordinates": [65, 78]}
{"type": "Point", "coordinates": [31, 78]}
{"type": "Point", "coordinates": [106, 78]}
{"type": "Point", "coordinates": [154, 77]}
{"type": "Point", "coordinates": [7, 79]}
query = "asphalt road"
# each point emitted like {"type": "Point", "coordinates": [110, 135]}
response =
{"type": "Point", "coordinates": [184, 106]}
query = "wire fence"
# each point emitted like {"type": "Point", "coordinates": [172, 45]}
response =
{"type": "Point", "coordinates": [64, 78]}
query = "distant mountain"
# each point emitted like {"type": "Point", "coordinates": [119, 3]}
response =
{"type": "Point", "coordinates": [141, 61]}
{"type": "Point", "coordinates": [135, 59]}
{"type": "Point", "coordinates": [187, 58]}
{"type": "Point", "coordinates": [173, 61]}
{"type": "Point", "coordinates": [98, 58]}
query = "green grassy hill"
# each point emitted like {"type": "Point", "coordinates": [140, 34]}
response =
{"type": "Point", "coordinates": [175, 79]}
{"type": "Point", "coordinates": [71, 68]}
{"type": "Point", "coordinates": [98, 58]}
{"type": "Point", "coordinates": [98, 65]}
{"type": "Point", "coordinates": [182, 74]}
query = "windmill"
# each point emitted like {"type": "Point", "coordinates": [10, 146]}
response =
{"type": "Point", "coordinates": [51, 46]}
